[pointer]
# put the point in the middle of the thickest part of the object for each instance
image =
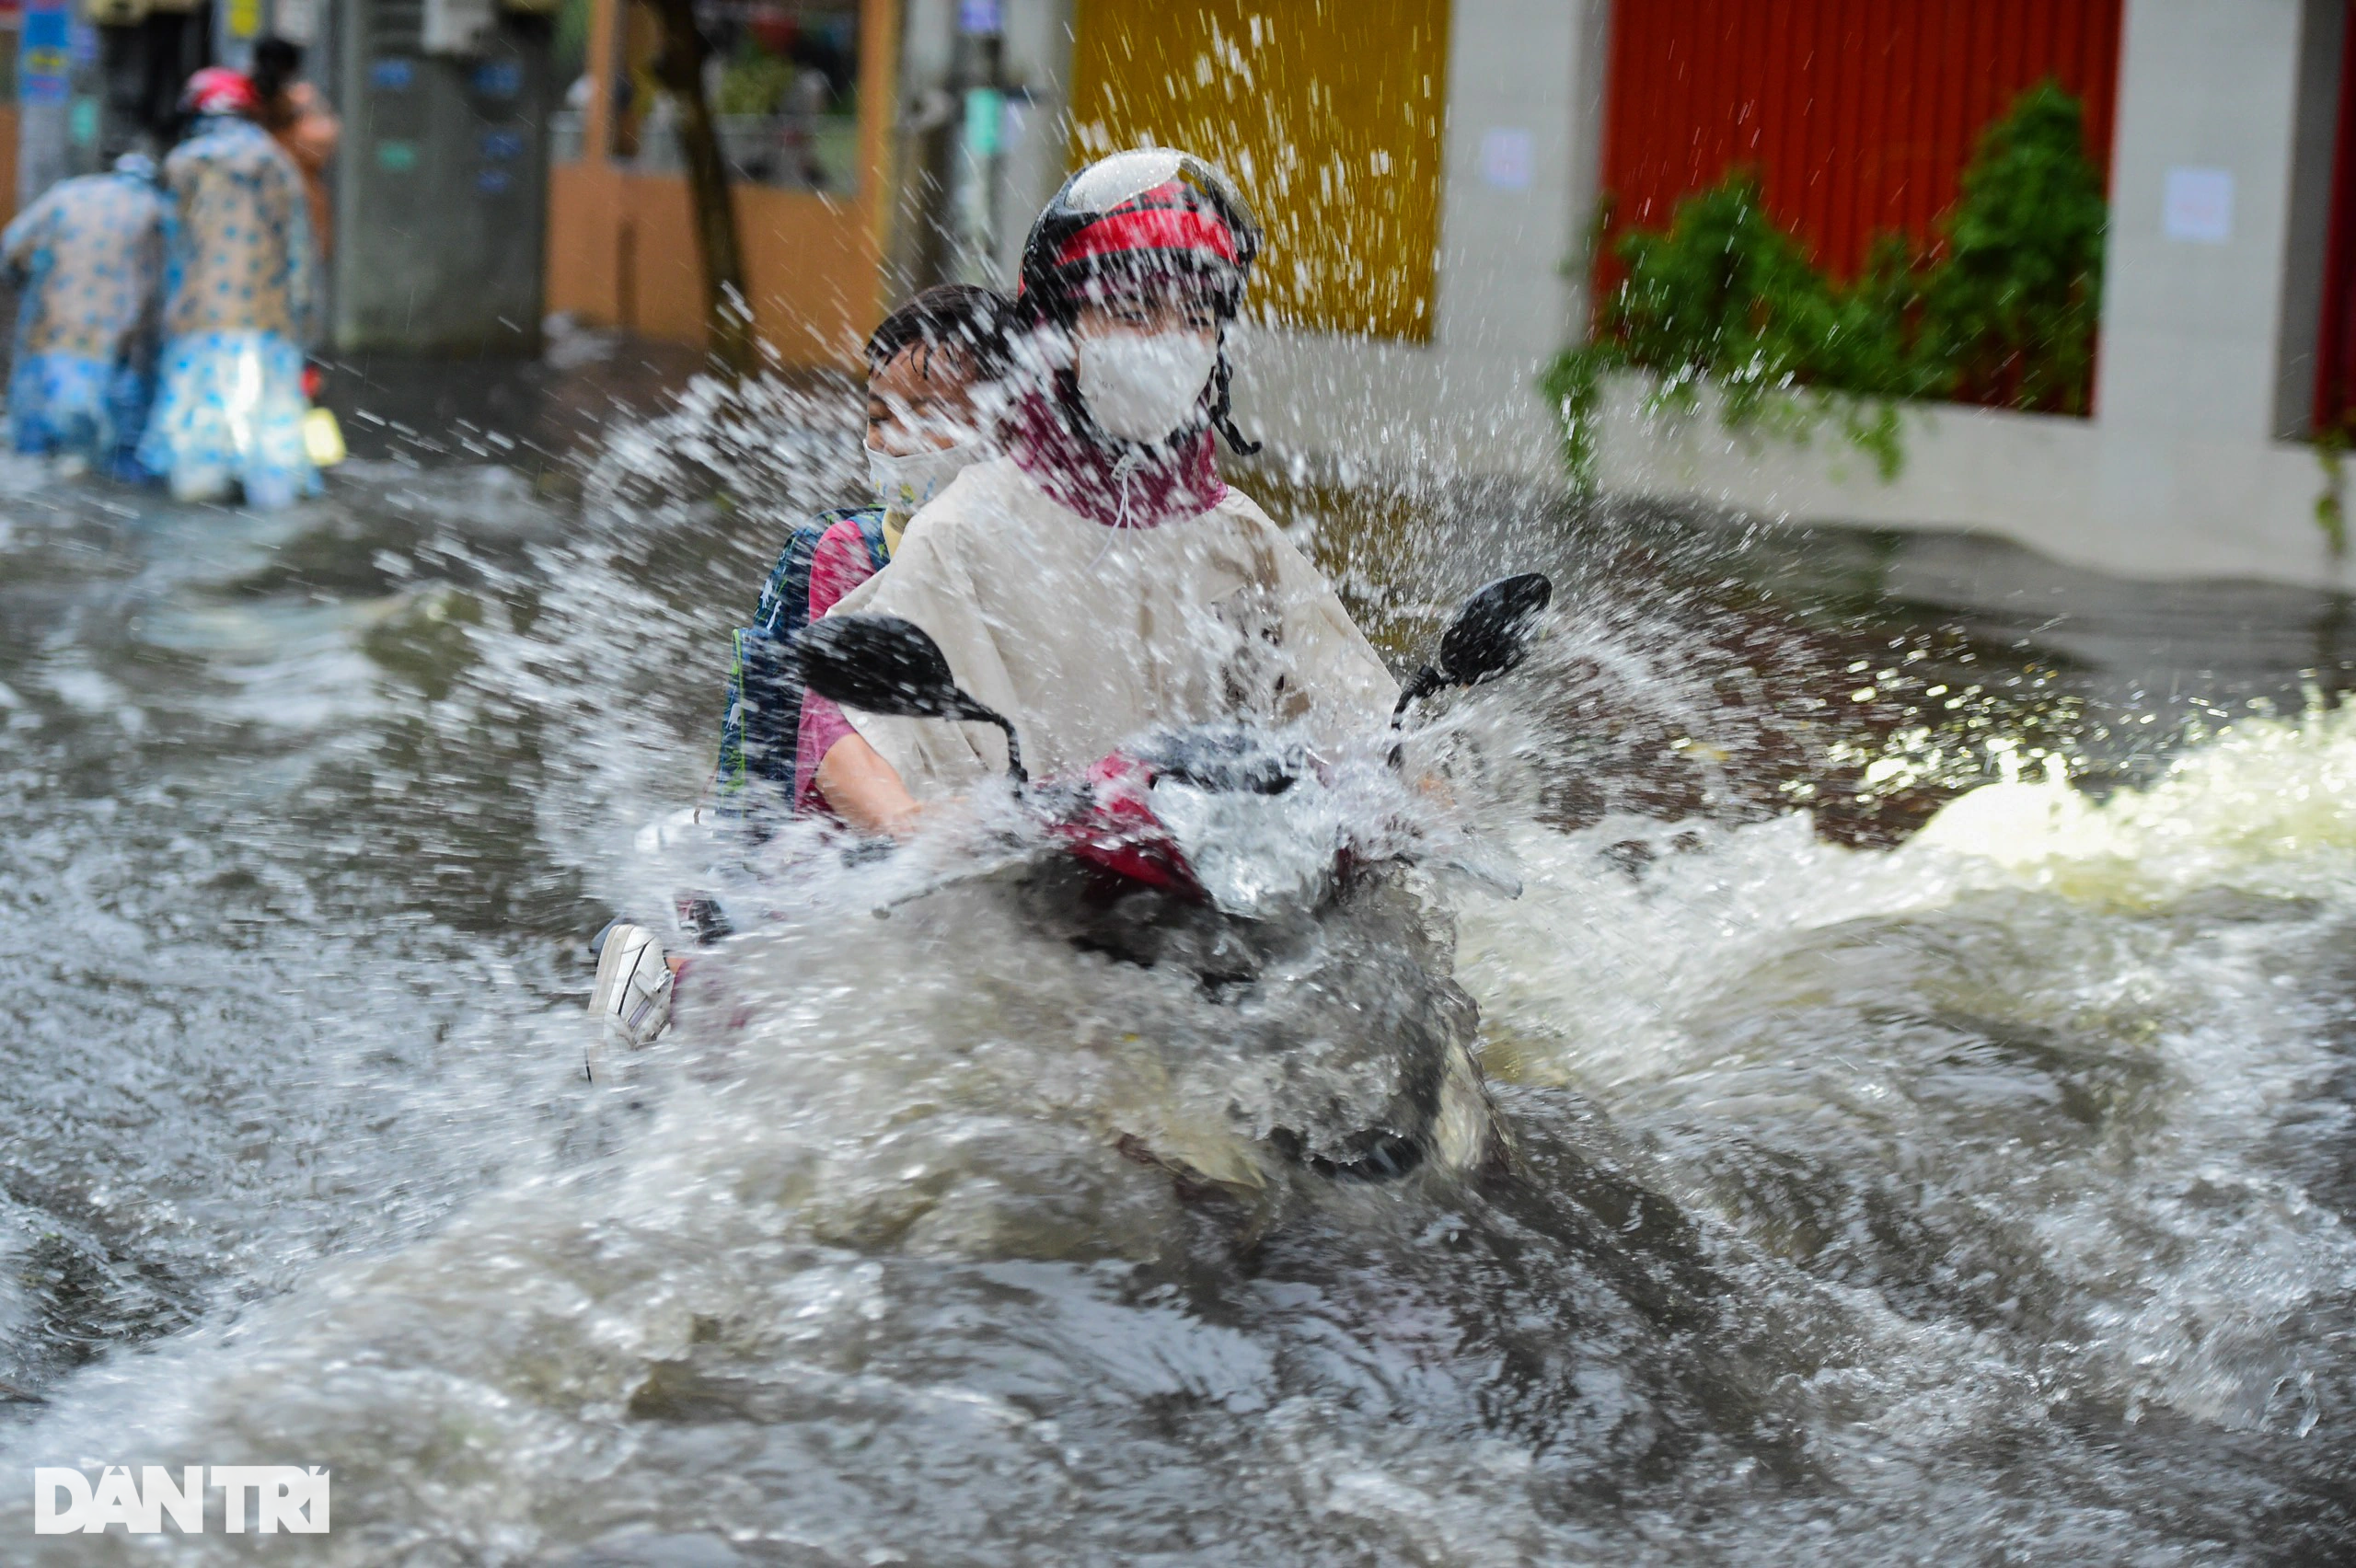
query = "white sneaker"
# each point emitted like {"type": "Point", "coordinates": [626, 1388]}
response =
{"type": "Point", "coordinates": [632, 1002]}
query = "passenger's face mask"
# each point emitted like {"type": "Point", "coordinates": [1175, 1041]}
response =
{"type": "Point", "coordinates": [1141, 386]}
{"type": "Point", "coordinates": [906, 481]}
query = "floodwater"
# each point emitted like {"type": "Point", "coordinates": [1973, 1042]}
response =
{"type": "Point", "coordinates": [1980, 1193]}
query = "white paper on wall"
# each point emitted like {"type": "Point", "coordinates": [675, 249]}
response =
{"type": "Point", "coordinates": [2197, 206]}
{"type": "Point", "coordinates": [1505, 159]}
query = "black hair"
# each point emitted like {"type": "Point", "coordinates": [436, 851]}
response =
{"type": "Point", "coordinates": [277, 62]}
{"type": "Point", "coordinates": [965, 318]}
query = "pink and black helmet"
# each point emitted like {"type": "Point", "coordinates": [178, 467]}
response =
{"type": "Point", "coordinates": [1150, 213]}
{"type": "Point", "coordinates": [216, 89]}
{"type": "Point", "coordinates": [1153, 214]}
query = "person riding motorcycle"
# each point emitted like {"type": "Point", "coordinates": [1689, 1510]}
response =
{"type": "Point", "coordinates": [1101, 578]}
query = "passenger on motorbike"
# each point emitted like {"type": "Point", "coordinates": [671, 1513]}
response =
{"type": "Point", "coordinates": [929, 366]}
{"type": "Point", "coordinates": [1101, 578]}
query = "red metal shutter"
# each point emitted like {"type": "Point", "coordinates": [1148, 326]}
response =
{"type": "Point", "coordinates": [1859, 115]}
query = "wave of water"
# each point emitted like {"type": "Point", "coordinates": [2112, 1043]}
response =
{"type": "Point", "coordinates": [1983, 1197]}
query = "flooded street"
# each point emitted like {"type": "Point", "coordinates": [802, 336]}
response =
{"type": "Point", "coordinates": [1975, 1193]}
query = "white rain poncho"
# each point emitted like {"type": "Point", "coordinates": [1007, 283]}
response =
{"type": "Point", "coordinates": [1086, 636]}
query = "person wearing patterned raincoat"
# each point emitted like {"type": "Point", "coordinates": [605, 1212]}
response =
{"type": "Point", "coordinates": [240, 297]}
{"type": "Point", "coordinates": [88, 260]}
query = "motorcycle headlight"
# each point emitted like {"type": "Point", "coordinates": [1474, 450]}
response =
{"type": "Point", "coordinates": [1255, 855]}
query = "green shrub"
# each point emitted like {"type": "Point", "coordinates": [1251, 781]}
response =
{"type": "Point", "coordinates": [2010, 309]}
{"type": "Point", "coordinates": [1724, 297]}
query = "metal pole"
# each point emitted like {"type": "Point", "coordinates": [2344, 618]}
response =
{"type": "Point", "coordinates": [44, 97]}
{"type": "Point", "coordinates": [235, 25]}
{"type": "Point", "coordinates": [981, 48]}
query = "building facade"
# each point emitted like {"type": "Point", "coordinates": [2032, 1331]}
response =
{"type": "Point", "coordinates": [1434, 175]}
{"type": "Point", "coordinates": [1432, 172]}
{"type": "Point", "coordinates": [2221, 355]}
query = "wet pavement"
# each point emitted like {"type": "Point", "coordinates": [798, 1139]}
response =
{"type": "Point", "coordinates": [1974, 1195]}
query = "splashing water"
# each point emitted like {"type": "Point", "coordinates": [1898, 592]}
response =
{"type": "Point", "coordinates": [1981, 1193]}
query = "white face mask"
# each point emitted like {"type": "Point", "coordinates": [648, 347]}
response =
{"type": "Point", "coordinates": [905, 482]}
{"type": "Point", "coordinates": [1141, 386]}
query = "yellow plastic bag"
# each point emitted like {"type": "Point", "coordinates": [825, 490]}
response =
{"type": "Point", "coordinates": [323, 439]}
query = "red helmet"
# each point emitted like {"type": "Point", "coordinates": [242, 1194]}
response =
{"type": "Point", "coordinates": [1151, 212]}
{"type": "Point", "coordinates": [216, 89]}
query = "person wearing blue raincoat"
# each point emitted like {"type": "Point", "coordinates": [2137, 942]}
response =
{"type": "Point", "coordinates": [240, 297]}
{"type": "Point", "coordinates": [87, 259]}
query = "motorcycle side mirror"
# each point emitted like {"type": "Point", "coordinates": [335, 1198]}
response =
{"type": "Point", "coordinates": [1489, 637]}
{"type": "Point", "coordinates": [1491, 632]}
{"type": "Point", "coordinates": [884, 665]}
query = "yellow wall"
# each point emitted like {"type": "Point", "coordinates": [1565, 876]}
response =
{"type": "Point", "coordinates": [1328, 113]}
{"type": "Point", "coordinates": [622, 248]}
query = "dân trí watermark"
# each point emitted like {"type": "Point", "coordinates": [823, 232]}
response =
{"type": "Point", "coordinates": [285, 1497]}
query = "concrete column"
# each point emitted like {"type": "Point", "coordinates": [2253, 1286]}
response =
{"type": "Point", "coordinates": [2219, 175]}
{"type": "Point", "coordinates": [2217, 101]}
{"type": "Point", "coordinates": [1524, 120]}
{"type": "Point", "coordinates": [1520, 165]}
{"type": "Point", "coordinates": [1038, 146]}
{"type": "Point", "coordinates": [1036, 59]}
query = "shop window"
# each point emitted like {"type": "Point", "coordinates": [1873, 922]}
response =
{"type": "Point", "coordinates": [783, 84]}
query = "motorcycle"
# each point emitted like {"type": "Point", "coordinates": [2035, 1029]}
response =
{"type": "Point", "coordinates": [1246, 858]}
{"type": "Point", "coordinates": [1220, 850]}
